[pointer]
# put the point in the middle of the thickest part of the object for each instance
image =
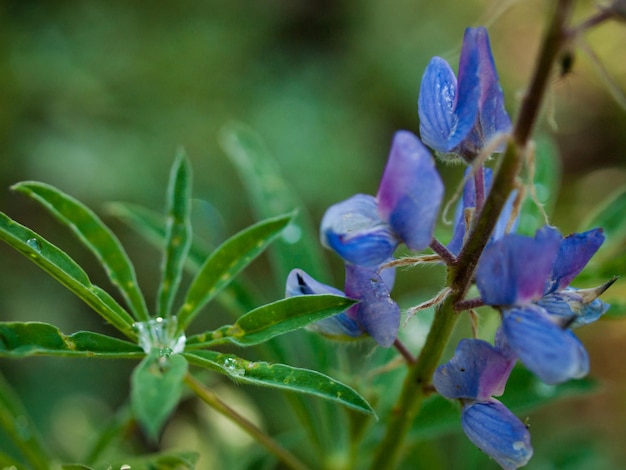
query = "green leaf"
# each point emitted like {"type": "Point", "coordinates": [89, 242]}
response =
{"type": "Point", "coordinates": [21, 339]}
{"type": "Point", "coordinates": [9, 462]}
{"type": "Point", "coordinates": [525, 392]}
{"type": "Point", "coordinates": [96, 236]}
{"type": "Point", "coordinates": [172, 460]}
{"type": "Point", "coordinates": [274, 319]}
{"type": "Point", "coordinates": [271, 195]}
{"type": "Point", "coordinates": [65, 270]}
{"type": "Point", "coordinates": [280, 376]}
{"type": "Point", "coordinates": [151, 226]}
{"type": "Point", "coordinates": [177, 233]}
{"type": "Point", "coordinates": [609, 215]}
{"type": "Point", "coordinates": [226, 262]}
{"type": "Point", "coordinates": [546, 183]}
{"type": "Point", "coordinates": [18, 427]}
{"type": "Point", "coordinates": [156, 387]}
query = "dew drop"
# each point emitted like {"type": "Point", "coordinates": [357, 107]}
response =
{"type": "Point", "coordinates": [292, 234]}
{"type": "Point", "coordinates": [34, 244]}
{"type": "Point", "coordinates": [161, 334]}
{"type": "Point", "coordinates": [233, 367]}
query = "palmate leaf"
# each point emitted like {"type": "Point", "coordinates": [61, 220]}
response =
{"type": "Point", "coordinates": [21, 339]}
{"type": "Point", "coordinates": [95, 235]}
{"type": "Point", "coordinates": [226, 262]}
{"type": "Point", "coordinates": [177, 233]}
{"type": "Point", "coordinates": [277, 318]}
{"type": "Point", "coordinates": [151, 226]}
{"type": "Point", "coordinates": [65, 270]}
{"type": "Point", "coordinates": [157, 385]}
{"type": "Point", "coordinates": [280, 376]}
{"type": "Point", "coordinates": [271, 195]}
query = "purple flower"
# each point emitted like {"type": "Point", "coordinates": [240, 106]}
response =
{"type": "Point", "coordinates": [376, 314]}
{"type": "Point", "coordinates": [354, 230]}
{"type": "Point", "coordinates": [365, 230]}
{"type": "Point", "coordinates": [527, 279]}
{"type": "Point", "coordinates": [461, 117]}
{"type": "Point", "coordinates": [476, 372]}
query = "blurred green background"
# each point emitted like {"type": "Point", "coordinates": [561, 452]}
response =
{"type": "Point", "coordinates": [97, 96]}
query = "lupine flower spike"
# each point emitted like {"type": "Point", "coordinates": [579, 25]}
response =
{"type": "Point", "coordinates": [459, 117]}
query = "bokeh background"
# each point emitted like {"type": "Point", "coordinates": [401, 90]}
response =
{"type": "Point", "coordinates": [97, 96]}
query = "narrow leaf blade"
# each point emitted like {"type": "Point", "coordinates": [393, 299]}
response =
{"type": "Point", "coordinates": [65, 270]}
{"type": "Point", "coordinates": [18, 426]}
{"type": "Point", "coordinates": [275, 319]}
{"type": "Point", "coordinates": [151, 226]}
{"type": "Point", "coordinates": [226, 262]}
{"type": "Point", "coordinates": [610, 216]}
{"type": "Point", "coordinates": [21, 339]}
{"type": "Point", "coordinates": [177, 233]}
{"type": "Point", "coordinates": [271, 195]}
{"type": "Point", "coordinates": [95, 235]}
{"type": "Point", "coordinates": [157, 385]}
{"type": "Point", "coordinates": [280, 376]}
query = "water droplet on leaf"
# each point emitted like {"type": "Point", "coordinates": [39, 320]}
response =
{"type": "Point", "coordinates": [233, 368]}
{"type": "Point", "coordinates": [34, 244]}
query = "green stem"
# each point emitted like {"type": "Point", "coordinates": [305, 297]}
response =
{"type": "Point", "coordinates": [416, 383]}
{"type": "Point", "coordinates": [218, 405]}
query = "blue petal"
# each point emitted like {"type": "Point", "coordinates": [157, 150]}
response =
{"type": "Point", "coordinates": [469, 201]}
{"type": "Point", "coordinates": [300, 283]}
{"type": "Point", "coordinates": [469, 89]}
{"type": "Point", "coordinates": [376, 312]}
{"type": "Point", "coordinates": [574, 253]}
{"type": "Point", "coordinates": [514, 269]}
{"type": "Point", "coordinates": [493, 115]}
{"type": "Point", "coordinates": [436, 105]}
{"type": "Point", "coordinates": [337, 326]}
{"type": "Point", "coordinates": [478, 81]}
{"type": "Point", "coordinates": [569, 305]}
{"type": "Point", "coordinates": [543, 346]}
{"type": "Point", "coordinates": [354, 230]}
{"type": "Point", "coordinates": [476, 371]}
{"type": "Point", "coordinates": [410, 192]}
{"type": "Point", "coordinates": [497, 432]}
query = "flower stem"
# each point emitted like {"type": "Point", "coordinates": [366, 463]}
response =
{"type": "Point", "coordinates": [218, 405]}
{"type": "Point", "coordinates": [402, 349]}
{"type": "Point", "coordinates": [460, 274]}
{"type": "Point", "coordinates": [442, 251]}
